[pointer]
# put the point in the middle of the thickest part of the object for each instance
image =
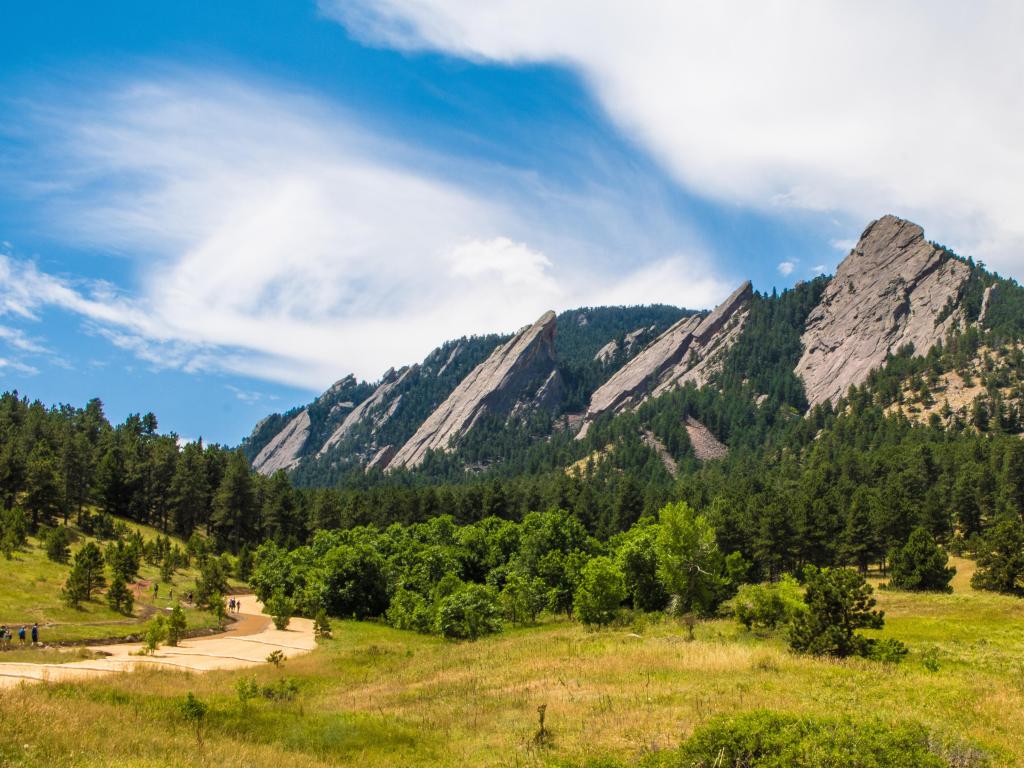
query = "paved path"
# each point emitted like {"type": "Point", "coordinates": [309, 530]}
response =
{"type": "Point", "coordinates": [247, 643]}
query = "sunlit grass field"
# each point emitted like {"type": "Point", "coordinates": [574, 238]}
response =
{"type": "Point", "coordinates": [30, 587]}
{"type": "Point", "coordinates": [374, 696]}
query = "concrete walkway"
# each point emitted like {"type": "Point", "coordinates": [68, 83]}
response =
{"type": "Point", "coordinates": [247, 643]}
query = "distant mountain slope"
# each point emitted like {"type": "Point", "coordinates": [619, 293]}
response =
{"type": "Point", "coordinates": [646, 379]}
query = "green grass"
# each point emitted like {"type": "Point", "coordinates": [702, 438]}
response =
{"type": "Point", "coordinates": [30, 587]}
{"type": "Point", "coordinates": [375, 696]}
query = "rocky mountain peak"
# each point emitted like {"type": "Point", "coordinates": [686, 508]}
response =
{"type": "Point", "coordinates": [893, 289]}
{"type": "Point", "coordinates": [521, 370]}
{"type": "Point", "coordinates": [691, 350]}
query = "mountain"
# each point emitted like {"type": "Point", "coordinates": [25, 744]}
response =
{"type": "Point", "coordinates": [674, 385]}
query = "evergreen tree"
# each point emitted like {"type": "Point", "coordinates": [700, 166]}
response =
{"type": "Point", "coordinates": [839, 602]}
{"type": "Point", "coordinates": [235, 513]}
{"type": "Point", "coordinates": [119, 597]}
{"type": "Point", "coordinates": [1001, 558]}
{"type": "Point", "coordinates": [86, 575]}
{"type": "Point", "coordinates": [921, 565]}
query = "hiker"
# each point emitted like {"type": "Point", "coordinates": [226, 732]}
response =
{"type": "Point", "coordinates": [171, 597]}
{"type": "Point", "coordinates": [231, 605]}
{"type": "Point", "coordinates": [35, 633]}
{"type": "Point", "coordinates": [4, 642]}
{"type": "Point", "coordinates": [21, 635]}
{"type": "Point", "coordinates": [156, 589]}
{"type": "Point", "coordinates": [238, 606]}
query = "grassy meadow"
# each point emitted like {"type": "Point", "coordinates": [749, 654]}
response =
{"type": "Point", "coordinates": [376, 697]}
{"type": "Point", "coordinates": [30, 591]}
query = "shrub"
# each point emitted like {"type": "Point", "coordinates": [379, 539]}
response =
{"type": "Point", "coordinates": [469, 613]}
{"type": "Point", "coordinates": [410, 610]}
{"type": "Point", "coordinates": [57, 543]}
{"type": "Point", "coordinates": [764, 739]}
{"type": "Point", "coordinates": [887, 649]}
{"type": "Point", "coordinates": [156, 633]}
{"type": "Point", "coordinates": [176, 626]}
{"type": "Point", "coordinates": [522, 598]}
{"type": "Point", "coordinates": [13, 530]}
{"type": "Point", "coordinates": [280, 607]}
{"type": "Point", "coordinates": [194, 711]}
{"type": "Point", "coordinates": [921, 565]}
{"type": "Point", "coordinates": [838, 602]}
{"type": "Point", "coordinates": [322, 625]}
{"type": "Point", "coordinates": [768, 606]}
{"type": "Point", "coordinates": [601, 591]}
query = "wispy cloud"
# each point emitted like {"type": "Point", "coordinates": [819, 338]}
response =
{"type": "Point", "coordinates": [786, 267]}
{"type": "Point", "coordinates": [781, 105]}
{"type": "Point", "coordinates": [273, 237]}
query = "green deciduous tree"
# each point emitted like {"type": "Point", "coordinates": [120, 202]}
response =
{"type": "Point", "coordinates": [600, 592]}
{"type": "Point", "coordinates": [689, 563]}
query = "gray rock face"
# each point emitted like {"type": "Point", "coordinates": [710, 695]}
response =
{"type": "Point", "coordinates": [706, 447]}
{"type": "Point", "coordinates": [986, 302]}
{"type": "Point", "coordinates": [377, 408]}
{"type": "Point", "coordinates": [523, 369]}
{"type": "Point", "coordinates": [893, 289]}
{"type": "Point", "coordinates": [284, 451]}
{"type": "Point", "coordinates": [691, 350]}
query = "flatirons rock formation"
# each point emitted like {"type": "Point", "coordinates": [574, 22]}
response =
{"type": "Point", "coordinates": [285, 449]}
{"type": "Point", "coordinates": [691, 350]}
{"type": "Point", "coordinates": [376, 409]}
{"type": "Point", "coordinates": [519, 371]}
{"type": "Point", "coordinates": [895, 288]}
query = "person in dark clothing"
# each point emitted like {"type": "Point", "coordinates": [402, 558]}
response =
{"type": "Point", "coordinates": [21, 635]}
{"type": "Point", "coordinates": [35, 634]}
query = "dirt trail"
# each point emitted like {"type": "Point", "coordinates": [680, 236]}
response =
{"type": "Point", "coordinates": [248, 642]}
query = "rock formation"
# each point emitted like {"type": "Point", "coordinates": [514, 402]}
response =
{"type": "Point", "coordinates": [521, 370]}
{"type": "Point", "coordinates": [285, 449]}
{"type": "Point", "coordinates": [895, 288]}
{"type": "Point", "coordinates": [377, 408]}
{"type": "Point", "coordinates": [706, 447]}
{"type": "Point", "coordinates": [691, 350]}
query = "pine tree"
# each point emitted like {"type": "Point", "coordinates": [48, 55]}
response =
{"type": "Point", "coordinates": [86, 575]}
{"type": "Point", "coordinates": [921, 565]}
{"type": "Point", "coordinates": [119, 597]}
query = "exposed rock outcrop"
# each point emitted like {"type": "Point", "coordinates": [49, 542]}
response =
{"type": "Point", "coordinates": [706, 447]}
{"type": "Point", "coordinates": [522, 369]}
{"type": "Point", "coordinates": [893, 289]}
{"type": "Point", "coordinates": [377, 408]}
{"type": "Point", "coordinates": [381, 458]}
{"type": "Point", "coordinates": [285, 450]}
{"type": "Point", "coordinates": [630, 343]}
{"type": "Point", "coordinates": [986, 302]}
{"type": "Point", "coordinates": [691, 350]}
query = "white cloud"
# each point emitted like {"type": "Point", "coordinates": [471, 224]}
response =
{"type": "Point", "coordinates": [17, 339]}
{"type": "Point", "coordinates": [18, 366]}
{"type": "Point", "coordinates": [271, 237]}
{"type": "Point", "coordinates": [818, 269]}
{"type": "Point", "coordinates": [786, 267]}
{"type": "Point", "coordinates": [843, 245]}
{"type": "Point", "coordinates": [857, 108]}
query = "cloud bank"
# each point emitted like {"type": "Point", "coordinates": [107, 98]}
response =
{"type": "Point", "coordinates": [266, 234]}
{"type": "Point", "coordinates": [853, 108]}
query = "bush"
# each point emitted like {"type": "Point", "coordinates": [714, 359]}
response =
{"type": "Point", "coordinates": [838, 602]}
{"type": "Point", "coordinates": [921, 565]}
{"type": "Point", "coordinates": [322, 625]}
{"type": "Point", "coordinates": [888, 649]}
{"type": "Point", "coordinates": [764, 739]}
{"type": "Point", "coordinates": [57, 543]}
{"type": "Point", "coordinates": [280, 608]}
{"type": "Point", "coordinates": [410, 610]}
{"type": "Point", "coordinates": [176, 626]}
{"type": "Point", "coordinates": [156, 633]}
{"type": "Point", "coordinates": [768, 606]}
{"type": "Point", "coordinates": [600, 593]}
{"type": "Point", "coordinates": [469, 613]}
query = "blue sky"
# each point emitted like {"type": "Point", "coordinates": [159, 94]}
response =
{"type": "Point", "coordinates": [214, 210]}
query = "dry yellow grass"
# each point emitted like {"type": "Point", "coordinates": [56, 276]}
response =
{"type": "Point", "coordinates": [378, 697]}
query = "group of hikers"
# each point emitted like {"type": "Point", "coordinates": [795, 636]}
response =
{"type": "Point", "coordinates": [7, 636]}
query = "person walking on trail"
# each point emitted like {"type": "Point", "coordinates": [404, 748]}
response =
{"type": "Point", "coordinates": [156, 589]}
{"type": "Point", "coordinates": [231, 605]}
{"type": "Point", "coordinates": [21, 635]}
{"type": "Point", "coordinates": [35, 633]}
